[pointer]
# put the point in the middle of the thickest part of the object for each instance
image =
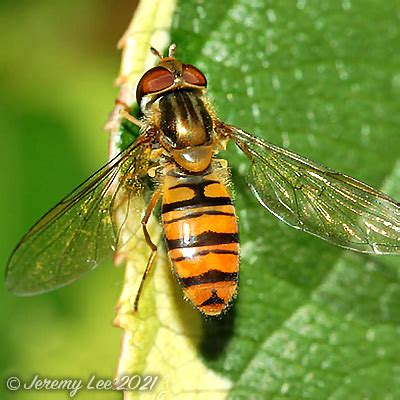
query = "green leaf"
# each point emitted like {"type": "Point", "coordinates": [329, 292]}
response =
{"type": "Point", "coordinates": [321, 78]}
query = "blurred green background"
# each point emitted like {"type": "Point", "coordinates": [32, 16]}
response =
{"type": "Point", "coordinates": [57, 69]}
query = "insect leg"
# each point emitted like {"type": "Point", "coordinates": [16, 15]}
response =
{"type": "Point", "coordinates": [152, 246]}
{"type": "Point", "coordinates": [125, 113]}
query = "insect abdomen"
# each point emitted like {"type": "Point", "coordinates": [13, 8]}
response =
{"type": "Point", "coordinates": [201, 232]}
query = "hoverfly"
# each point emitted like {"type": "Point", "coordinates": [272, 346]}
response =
{"type": "Point", "coordinates": [180, 136]}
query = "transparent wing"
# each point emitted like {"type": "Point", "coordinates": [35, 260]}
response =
{"type": "Point", "coordinates": [318, 200]}
{"type": "Point", "coordinates": [81, 230]}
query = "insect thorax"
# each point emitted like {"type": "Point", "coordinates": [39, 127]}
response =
{"type": "Point", "coordinates": [185, 127]}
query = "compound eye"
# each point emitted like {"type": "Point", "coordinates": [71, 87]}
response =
{"type": "Point", "coordinates": [193, 76]}
{"type": "Point", "coordinates": [154, 80]}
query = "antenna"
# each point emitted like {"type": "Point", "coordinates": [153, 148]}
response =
{"type": "Point", "coordinates": [171, 51]}
{"type": "Point", "coordinates": [155, 52]}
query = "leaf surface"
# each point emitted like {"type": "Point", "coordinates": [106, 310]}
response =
{"type": "Point", "coordinates": [321, 78]}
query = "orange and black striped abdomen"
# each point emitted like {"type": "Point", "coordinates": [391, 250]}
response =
{"type": "Point", "coordinates": [201, 233]}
